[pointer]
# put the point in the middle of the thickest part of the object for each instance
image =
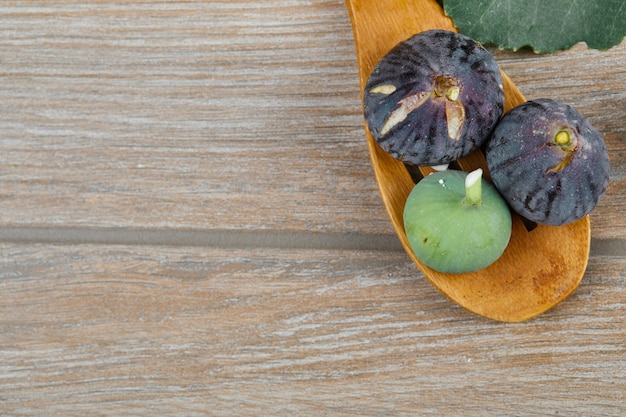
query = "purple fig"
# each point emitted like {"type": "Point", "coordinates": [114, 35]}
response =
{"type": "Point", "coordinates": [548, 162]}
{"type": "Point", "coordinates": [433, 98]}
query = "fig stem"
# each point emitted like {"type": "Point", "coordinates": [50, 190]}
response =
{"type": "Point", "coordinates": [452, 93]}
{"type": "Point", "coordinates": [562, 138]}
{"type": "Point", "coordinates": [441, 167]}
{"type": "Point", "coordinates": [473, 188]}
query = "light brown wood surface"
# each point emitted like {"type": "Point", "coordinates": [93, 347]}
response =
{"type": "Point", "coordinates": [190, 226]}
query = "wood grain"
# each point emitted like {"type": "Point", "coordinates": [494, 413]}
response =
{"type": "Point", "coordinates": [126, 125]}
{"type": "Point", "coordinates": [117, 330]}
{"type": "Point", "coordinates": [221, 115]}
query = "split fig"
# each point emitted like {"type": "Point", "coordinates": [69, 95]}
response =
{"type": "Point", "coordinates": [433, 98]}
{"type": "Point", "coordinates": [548, 162]}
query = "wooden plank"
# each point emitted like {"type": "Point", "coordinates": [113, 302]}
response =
{"type": "Point", "coordinates": [222, 116]}
{"type": "Point", "coordinates": [219, 115]}
{"type": "Point", "coordinates": [118, 330]}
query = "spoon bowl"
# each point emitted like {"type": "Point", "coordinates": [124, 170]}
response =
{"type": "Point", "coordinates": [539, 268]}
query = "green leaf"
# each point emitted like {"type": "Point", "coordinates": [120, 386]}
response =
{"type": "Point", "coordinates": [544, 25]}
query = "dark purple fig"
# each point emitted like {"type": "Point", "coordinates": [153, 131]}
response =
{"type": "Point", "coordinates": [548, 162]}
{"type": "Point", "coordinates": [433, 98]}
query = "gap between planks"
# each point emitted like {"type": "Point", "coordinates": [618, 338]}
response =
{"type": "Point", "coordinates": [235, 239]}
{"type": "Point", "coordinates": [225, 239]}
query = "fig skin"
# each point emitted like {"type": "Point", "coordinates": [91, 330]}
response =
{"type": "Point", "coordinates": [449, 235]}
{"type": "Point", "coordinates": [448, 84]}
{"type": "Point", "coordinates": [542, 179]}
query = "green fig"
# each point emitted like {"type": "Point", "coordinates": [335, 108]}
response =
{"type": "Point", "coordinates": [457, 222]}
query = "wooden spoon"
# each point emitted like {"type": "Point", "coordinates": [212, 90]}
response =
{"type": "Point", "coordinates": [539, 268]}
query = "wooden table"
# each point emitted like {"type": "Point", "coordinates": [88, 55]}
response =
{"type": "Point", "coordinates": [190, 226]}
